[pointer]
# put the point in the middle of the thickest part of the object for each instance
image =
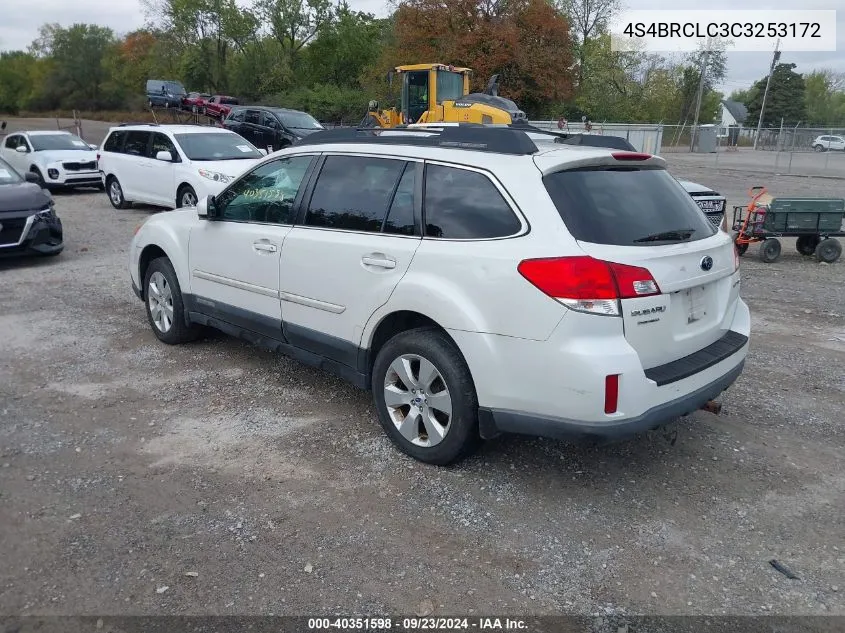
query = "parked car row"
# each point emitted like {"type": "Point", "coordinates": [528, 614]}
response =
{"type": "Point", "coordinates": [172, 94]}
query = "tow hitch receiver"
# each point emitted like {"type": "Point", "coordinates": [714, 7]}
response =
{"type": "Point", "coordinates": [712, 406]}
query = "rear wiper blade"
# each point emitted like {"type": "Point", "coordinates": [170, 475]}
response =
{"type": "Point", "coordinates": [676, 235]}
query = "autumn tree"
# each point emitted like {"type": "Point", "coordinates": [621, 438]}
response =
{"type": "Point", "coordinates": [525, 41]}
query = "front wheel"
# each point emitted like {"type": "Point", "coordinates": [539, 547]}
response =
{"type": "Point", "coordinates": [186, 197]}
{"type": "Point", "coordinates": [770, 250]}
{"type": "Point", "coordinates": [164, 305]}
{"type": "Point", "coordinates": [425, 397]}
{"type": "Point", "coordinates": [818, 148]}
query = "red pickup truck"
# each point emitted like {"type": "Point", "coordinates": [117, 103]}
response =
{"type": "Point", "coordinates": [219, 106]}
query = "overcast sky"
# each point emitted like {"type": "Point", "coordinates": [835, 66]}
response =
{"type": "Point", "coordinates": [19, 23]}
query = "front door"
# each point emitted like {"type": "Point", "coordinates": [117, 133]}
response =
{"type": "Point", "coordinates": [341, 263]}
{"type": "Point", "coordinates": [234, 257]}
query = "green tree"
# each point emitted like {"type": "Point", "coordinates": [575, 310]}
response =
{"type": "Point", "coordinates": [345, 48]}
{"type": "Point", "coordinates": [294, 23]}
{"type": "Point", "coordinates": [785, 99]}
{"type": "Point", "coordinates": [825, 97]}
{"type": "Point", "coordinates": [76, 59]}
{"type": "Point", "coordinates": [17, 80]}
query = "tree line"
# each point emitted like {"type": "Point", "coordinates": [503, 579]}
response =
{"type": "Point", "coordinates": [554, 59]}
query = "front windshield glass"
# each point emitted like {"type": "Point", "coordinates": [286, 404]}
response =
{"type": "Point", "coordinates": [8, 176]}
{"type": "Point", "coordinates": [450, 86]}
{"type": "Point", "coordinates": [299, 121]}
{"type": "Point", "coordinates": [216, 146]}
{"type": "Point", "coordinates": [41, 142]}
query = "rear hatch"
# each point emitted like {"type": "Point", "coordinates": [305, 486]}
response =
{"type": "Point", "coordinates": [629, 210]}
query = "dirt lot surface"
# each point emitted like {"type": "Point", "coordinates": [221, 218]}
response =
{"type": "Point", "coordinates": [219, 478]}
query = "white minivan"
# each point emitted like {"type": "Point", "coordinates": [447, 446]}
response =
{"type": "Point", "coordinates": [171, 166]}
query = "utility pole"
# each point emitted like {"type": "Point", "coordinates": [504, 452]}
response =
{"type": "Point", "coordinates": [775, 59]}
{"type": "Point", "coordinates": [701, 72]}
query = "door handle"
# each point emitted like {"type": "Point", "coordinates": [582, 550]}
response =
{"type": "Point", "coordinates": [265, 247]}
{"type": "Point", "coordinates": [379, 260]}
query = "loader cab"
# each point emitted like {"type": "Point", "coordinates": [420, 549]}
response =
{"type": "Point", "coordinates": [427, 86]}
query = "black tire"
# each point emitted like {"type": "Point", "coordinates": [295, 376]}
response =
{"type": "Point", "coordinates": [770, 250]}
{"type": "Point", "coordinates": [185, 193]}
{"type": "Point", "coordinates": [179, 330]}
{"type": "Point", "coordinates": [818, 148]}
{"type": "Point", "coordinates": [741, 248]}
{"type": "Point", "coordinates": [432, 344]}
{"type": "Point", "coordinates": [38, 173]}
{"type": "Point", "coordinates": [115, 193]}
{"type": "Point", "coordinates": [806, 244]}
{"type": "Point", "coordinates": [828, 250]}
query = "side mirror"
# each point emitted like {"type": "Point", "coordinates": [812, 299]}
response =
{"type": "Point", "coordinates": [165, 156]}
{"type": "Point", "coordinates": [206, 208]}
{"type": "Point", "coordinates": [21, 149]}
{"type": "Point", "coordinates": [31, 177]}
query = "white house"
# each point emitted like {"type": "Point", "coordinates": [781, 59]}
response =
{"type": "Point", "coordinates": [733, 113]}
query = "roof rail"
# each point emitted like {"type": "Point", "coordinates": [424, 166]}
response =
{"type": "Point", "coordinates": [139, 123]}
{"type": "Point", "coordinates": [468, 137]}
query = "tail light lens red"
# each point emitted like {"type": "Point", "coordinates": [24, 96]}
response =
{"type": "Point", "coordinates": [587, 284]}
{"type": "Point", "coordinates": [611, 393]}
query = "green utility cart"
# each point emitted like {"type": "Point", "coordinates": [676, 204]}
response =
{"type": "Point", "coordinates": [816, 222]}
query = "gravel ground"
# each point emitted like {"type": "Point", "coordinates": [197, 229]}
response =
{"type": "Point", "coordinates": [217, 478]}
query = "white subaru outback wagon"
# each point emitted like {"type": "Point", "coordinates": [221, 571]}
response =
{"type": "Point", "coordinates": [476, 283]}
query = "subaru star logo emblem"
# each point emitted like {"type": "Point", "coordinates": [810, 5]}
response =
{"type": "Point", "coordinates": [706, 262]}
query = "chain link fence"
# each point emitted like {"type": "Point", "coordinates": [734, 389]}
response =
{"type": "Point", "coordinates": [790, 150]}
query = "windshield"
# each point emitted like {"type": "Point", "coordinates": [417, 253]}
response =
{"type": "Point", "coordinates": [8, 176]}
{"type": "Point", "coordinates": [175, 88]}
{"type": "Point", "coordinates": [626, 207]}
{"type": "Point", "coordinates": [216, 146]}
{"type": "Point", "coordinates": [450, 86]}
{"type": "Point", "coordinates": [42, 142]}
{"type": "Point", "coordinates": [299, 121]}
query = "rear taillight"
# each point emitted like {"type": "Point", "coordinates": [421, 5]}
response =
{"type": "Point", "coordinates": [588, 285]}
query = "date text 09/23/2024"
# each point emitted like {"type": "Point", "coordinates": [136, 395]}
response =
{"type": "Point", "coordinates": [417, 624]}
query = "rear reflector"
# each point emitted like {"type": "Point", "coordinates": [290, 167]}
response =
{"type": "Point", "coordinates": [611, 393]}
{"type": "Point", "coordinates": [588, 285]}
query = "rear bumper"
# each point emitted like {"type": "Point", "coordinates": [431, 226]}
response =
{"type": "Point", "coordinates": [496, 421]}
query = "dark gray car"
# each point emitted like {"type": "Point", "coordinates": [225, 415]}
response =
{"type": "Point", "coordinates": [28, 222]}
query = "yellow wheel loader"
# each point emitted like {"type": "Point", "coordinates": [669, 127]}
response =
{"type": "Point", "coordinates": [437, 93]}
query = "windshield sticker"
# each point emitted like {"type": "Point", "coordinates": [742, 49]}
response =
{"type": "Point", "coordinates": [246, 149]}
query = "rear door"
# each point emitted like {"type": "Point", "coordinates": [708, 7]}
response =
{"type": "Point", "coordinates": [643, 217]}
{"type": "Point", "coordinates": [355, 242]}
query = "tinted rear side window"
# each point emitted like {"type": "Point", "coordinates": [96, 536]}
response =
{"type": "Point", "coordinates": [463, 204]}
{"type": "Point", "coordinates": [114, 142]}
{"type": "Point", "coordinates": [136, 143]}
{"type": "Point", "coordinates": [353, 193]}
{"type": "Point", "coordinates": [626, 207]}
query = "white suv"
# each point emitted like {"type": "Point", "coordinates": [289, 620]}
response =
{"type": "Point", "coordinates": [171, 166]}
{"type": "Point", "coordinates": [825, 143]}
{"type": "Point", "coordinates": [476, 283]}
